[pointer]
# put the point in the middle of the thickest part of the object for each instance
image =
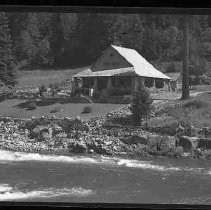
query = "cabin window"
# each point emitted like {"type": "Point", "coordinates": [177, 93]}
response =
{"type": "Point", "coordinates": [159, 83]}
{"type": "Point", "coordinates": [102, 83]}
{"type": "Point", "coordinates": [148, 82]}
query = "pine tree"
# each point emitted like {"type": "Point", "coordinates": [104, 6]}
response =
{"type": "Point", "coordinates": [7, 68]}
{"type": "Point", "coordinates": [92, 37]}
{"type": "Point", "coordinates": [56, 39]}
{"type": "Point", "coordinates": [141, 105]}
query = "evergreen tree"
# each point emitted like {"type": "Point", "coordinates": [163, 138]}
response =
{"type": "Point", "coordinates": [141, 105]}
{"type": "Point", "coordinates": [92, 37]}
{"type": "Point", "coordinates": [7, 62]}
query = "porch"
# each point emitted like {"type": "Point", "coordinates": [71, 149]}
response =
{"type": "Point", "coordinates": [120, 87]}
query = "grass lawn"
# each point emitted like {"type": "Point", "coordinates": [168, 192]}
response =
{"type": "Point", "coordinates": [196, 111]}
{"type": "Point", "coordinates": [9, 108]}
{"type": "Point", "coordinates": [39, 77]}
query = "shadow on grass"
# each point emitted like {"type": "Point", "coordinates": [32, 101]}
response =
{"type": "Point", "coordinates": [24, 105]}
{"type": "Point", "coordinates": [44, 102]}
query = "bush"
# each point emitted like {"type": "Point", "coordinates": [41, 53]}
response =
{"type": "Point", "coordinates": [84, 91]}
{"type": "Point", "coordinates": [54, 89]}
{"type": "Point", "coordinates": [42, 89]}
{"type": "Point", "coordinates": [55, 109]}
{"type": "Point", "coordinates": [141, 105]}
{"type": "Point", "coordinates": [87, 109]}
{"type": "Point", "coordinates": [31, 105]}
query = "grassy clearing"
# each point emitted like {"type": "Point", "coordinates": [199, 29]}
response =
{"type": "Point", "coordinates": [16, 108]}
{"type": "Point", "coordinates": [196, 111]}
{"type": "Point", "coordinates": [39, 77]}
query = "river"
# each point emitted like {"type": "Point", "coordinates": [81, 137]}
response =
{"type": "Point", "coordinates": [51, 178]}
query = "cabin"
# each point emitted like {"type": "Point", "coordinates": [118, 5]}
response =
{"type": "Point", "coordinates": [119, 71]}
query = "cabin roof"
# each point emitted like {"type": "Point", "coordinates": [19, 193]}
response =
{"type": "Point", "coordinates": [140, 66]}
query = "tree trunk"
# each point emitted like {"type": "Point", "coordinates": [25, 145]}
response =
{"type": "Point", "coordinates": [185, 74]}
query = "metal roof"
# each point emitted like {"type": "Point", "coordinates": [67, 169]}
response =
{"type": "Point", "coordinates": [140, 67]}
{"type": "Point", "coordinates": [106, 73]}
{"type": "Point", "coordinates": [174, 76]}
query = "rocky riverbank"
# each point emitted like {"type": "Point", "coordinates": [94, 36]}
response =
{"type": "Point", "coordinates": [100, 136]}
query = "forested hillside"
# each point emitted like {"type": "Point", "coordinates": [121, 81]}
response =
{"type": "Point", "coordinates": [46, 40]}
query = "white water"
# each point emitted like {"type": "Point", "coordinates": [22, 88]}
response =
{"type": "Point", "coordinates": [9, 193]}
{"type": "Point", "coordinates": [10, 156]}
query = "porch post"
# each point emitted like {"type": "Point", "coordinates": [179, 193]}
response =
{"type": "Point", "coordinates": [75, 84]}
{"type": "Point", "coordinates": [136, 80]}
{"type": "Point", "coordinates": [154, 83]}
{"type": "Point", "coordinates": [142, 81]}
{"type": "Point", "coordinates": [95, 87]}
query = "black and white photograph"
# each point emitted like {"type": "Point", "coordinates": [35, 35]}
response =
{"type": "Point", "coordinates": [105, 107]}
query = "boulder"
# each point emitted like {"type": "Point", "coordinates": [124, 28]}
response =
{"type": "Point", "coordinates": [204, 143]}
{"type": "Point", "coordinates": [135, 140]}
{"type": "Point", "coordinates": [205, 132]}
{"type": "Point", "coordinates": [57, 129]}
{"type": "Point", "coordinates": [180, 130]}
{"type": "Point", "coordinates": [45, 134]}
{"type": "Point", "coordinates": [79, 147]}
{"type": "Point", "coordinates": [187, 143]}
{"type": "Point", "coordinates": [41, 133]}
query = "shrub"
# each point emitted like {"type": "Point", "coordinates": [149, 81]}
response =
{"type": "Point", "coordinates": [42, 89]}
{"type": "Point", "coordinates": [87, 109]}
{"type": "Point", "coordinates": [176, 153]}
{"type": "Point", "coordinates": [55, 109]}
{"type": "Point", "coordinates": [84, 91]}
{"type": "Point", "coordinates": [141, 105]}
{"type": "Point", "coordinates": [54, 89]}
{"type": "Point", "coordinates": [31, 105]}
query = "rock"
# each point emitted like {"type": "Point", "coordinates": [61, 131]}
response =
{"type": "Point", "coordinates": [135, 140]}
{"type": "Point", "coordinates": [180, 130]}
{"type": "Point", "coordinates": [204, 143]}
{"type": "Point", "coordinates": [115, 148]}
{"type": "Point", "coordinates": [91, 151]}
{"type": "Point", "coordinates": [79, 147]}
{"type": "Point", "coordinates": [107, 143]}
{"type": "Point", "coordinates": [191, 131]}
{"type": "Point", "coordinates": [41, 133]}
{"type": "Point", "coordinates": [188, 143]}
{"type": "Point", "coordinates": [61, 135]}
{"type": "Point", "coordinates": [56, 129]}
{"type": "Point", "coordinates": [205, 132]}
{"type": "Point", "coordinates": [15, 135]}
